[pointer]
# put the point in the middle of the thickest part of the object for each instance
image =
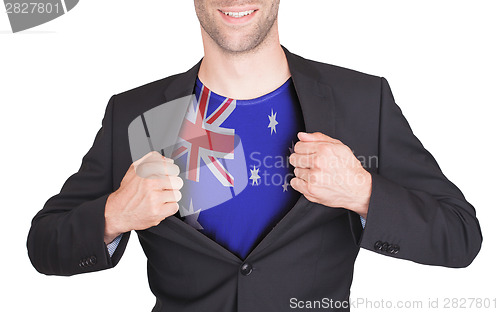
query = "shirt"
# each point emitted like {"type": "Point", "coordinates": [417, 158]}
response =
{"type": "Point", "coordinates": [233, 155]}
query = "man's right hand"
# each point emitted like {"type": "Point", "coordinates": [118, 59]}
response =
{"type": "Point", "coordinates": [148, 193]}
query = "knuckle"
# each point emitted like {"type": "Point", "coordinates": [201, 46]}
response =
{"type": "Point", "coordinates": [344, 149]}
{"type": "Point", "coordinates": [173, 169]}
{"type": "Point", "coordinates": [155, 156]}
{"type": "Point", "coordinates": [168, 160]}
{"type": "Point", "coordinates": [177, 195]}
{"type": "Point", "coordinates": [153, 200]}
{"type": "Point", "coordinates": [177, 183]}
{"type": "Point", "coordinates": [317, 161]}
{"type": "Point", "coordinates": [303, 162]}
{"type": "Point", "coordinates": [147, 196]}
{"type": "Point", "coordinates": [144, 166]}
{"type": "Point", "coordinates": [324, 162]}
{"type": "Point", "coordinates": [313, 178]}
{"type": "Point", "coordinates": [311, 189]}
{"type": "Point", "coordinates": [144, 170]}
{"type": "Point", "coordinates": [149, 183]}
{"type": "Point", "coordinates": [337, 141]}
{"type": "Point", "coordinates": [177, 170]}
{"type": "Point", "coordinates": [168, 183]}
{"type": "Point", "coordinates": [172, 208]}
{"type": "Point", "coordinates": [298, 184]}
{"type": "Point", "coordinates": [181, 182]}
{"type": "Point", "coordinates": [324, 148]}
{"type": "Point", "coordinates": [166, 196]}
{"type": "Point", "coordinates": [154, 210]}
{"type": "Point", "coordinates": [314, 173]}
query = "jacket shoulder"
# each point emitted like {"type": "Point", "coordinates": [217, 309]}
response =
{"type": "Point", "coordinates": [134, 102]}
{"type": "Point", "coordinates": [340, 76]}
{"type": "Point", "coordinates": [153, 91]}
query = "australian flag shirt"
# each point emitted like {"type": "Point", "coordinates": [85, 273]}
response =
{"type": "Point", "coordinates": [233, 156]}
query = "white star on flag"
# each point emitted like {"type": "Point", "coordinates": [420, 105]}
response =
{"type": "Point", "coordinates": [255, 175]}
{"type": "Point", "coordinates": [291, 148]}
{"type": "Point", "coordinates": [272, 121]}
{"type": "Point", "coordinates": [285, 186]}
{"type": "Point", "coordinates": [191, 216]}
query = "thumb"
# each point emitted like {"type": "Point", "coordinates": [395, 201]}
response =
{"type": "Point", "coordinates": [316, 136]}
{"type": "Point", "coordinates": [152, 156]}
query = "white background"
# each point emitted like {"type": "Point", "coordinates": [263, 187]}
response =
{"type": "Point", "coordinates": [441, 59]}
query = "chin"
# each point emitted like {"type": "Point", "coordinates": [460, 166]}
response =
{"type": "Point", "coordinates": [238, 44]}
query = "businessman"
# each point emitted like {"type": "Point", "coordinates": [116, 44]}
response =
{"type": "Point", "coordinates": [225, 223]}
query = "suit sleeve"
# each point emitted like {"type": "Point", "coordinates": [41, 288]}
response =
{"type": "Point", "coordinates": [415, 212]}
{"type": "Point", "coordinates": [67, 236]}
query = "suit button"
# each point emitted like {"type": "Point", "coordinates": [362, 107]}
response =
{"type": "Point", "coordinates": [396, 249]}
{"type": "Point", "coordinates": [246, 269]}
{"type": "Point", "coordinates": [93, 260]}
{"type": "Point", "coordinates": [378, 245]}
{"type": "Point", "coordinates": [83, 263]}
{"type": "Point", "coordinates": [384, 246]}
{"type": "Point", "coordinates": [390, 249]}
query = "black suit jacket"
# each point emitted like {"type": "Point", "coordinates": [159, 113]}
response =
{"type": "Point", "coordinates": [415, 212]}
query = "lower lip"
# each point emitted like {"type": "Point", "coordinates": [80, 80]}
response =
{"type": "Point", "coordinates": [237, 20]}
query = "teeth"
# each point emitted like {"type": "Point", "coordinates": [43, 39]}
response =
{"type": "Point", "coordinates": [239, 14]}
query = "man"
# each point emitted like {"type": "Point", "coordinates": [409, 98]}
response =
{"type": "Point", "coordinates": [260, 250]}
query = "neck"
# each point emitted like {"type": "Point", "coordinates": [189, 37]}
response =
{"type": "Point", "coordinates": [245, 75]}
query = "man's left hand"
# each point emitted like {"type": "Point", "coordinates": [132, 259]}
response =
{"type": "Point", "coordinates": [327, 172]}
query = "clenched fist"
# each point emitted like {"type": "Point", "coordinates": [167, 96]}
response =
{"type": "Point", "coordinates": [327, 172]}
{"type": "Point", "coordinates": [148, 193]}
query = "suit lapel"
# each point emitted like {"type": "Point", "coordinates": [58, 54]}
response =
{"type": "Point", "coordinates": [318, 107]}
{"type": "Point", "coordinates": [315, 97]}
{"type": "Point", "coordinates": [182, 84]}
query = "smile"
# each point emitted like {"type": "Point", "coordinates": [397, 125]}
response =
{"type": "Point", "coordinates": [239, 14]}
